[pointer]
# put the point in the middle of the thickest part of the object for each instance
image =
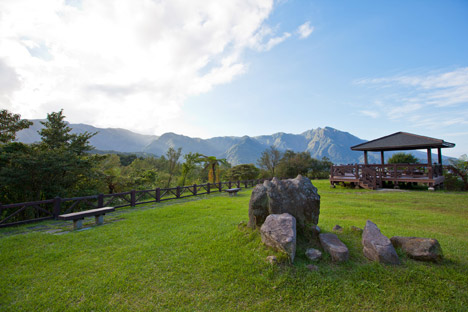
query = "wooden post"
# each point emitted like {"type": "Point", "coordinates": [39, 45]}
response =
{"type": "Point", "coordinates": [439, 150]}
{"type": "Point", "coordinates": [178, 192]}
{"type": "Point", "coordinates": [229, 184]}
{"type": "Point", "coordinates": [365, 158]}
{"type": "Point", "coordinates": [57, 205]}
{"type": "Point", "coordinates": [238, 184]}
{"type": "Point", "coordinates": [158, 195]}
{"type": "Point", "coordinates": [382, 158]}
{"type": "Point", "coordinates": [132, 198]}
{"type": "Point", "coordinates": [208, 188]}
{"type": "Point", "coordinates": [195, 190]}
{"type": "Point", "coordinates": [220, 186]}
{"type": "Point", "coordinates": [429, 157]}
{"type": "Point", "coordinates": [100, 201]}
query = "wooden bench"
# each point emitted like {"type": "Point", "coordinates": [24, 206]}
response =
{"type": "Point", "coordinates": [78, 217]}
{"type": "Point", "coordinates": [233, 191]}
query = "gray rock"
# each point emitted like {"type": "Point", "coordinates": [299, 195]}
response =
{"type": "Point", "coordinates": [332, 244]}
{"type": "Point", "coordinates": [297, 197]}
{"type": "Point", "coordinates": [418, 248]}
{"type": "Point", "coordinates": [279, 232]}
{"type": "Point", "coordinates": [376, 246]}
{"type": "Point", "coordinates": [313, 254]}
{"type": "Point", "coordinates": [337, 228]}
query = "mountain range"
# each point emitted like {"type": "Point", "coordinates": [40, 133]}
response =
{"type": "Point", "coordinates": [321, 142]}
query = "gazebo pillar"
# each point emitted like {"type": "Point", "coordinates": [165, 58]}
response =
{"type": "Point", "coordinates": [365, 158]}
{"type": "Point", "coordinates": [439, 150]}
{"type": "Point", "coordinates": [429, 157]}
{"type": "Point", "coordinates": [382, 158]}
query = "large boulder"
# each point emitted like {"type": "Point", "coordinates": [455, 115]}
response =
{"type": "Point", "coordinates": [336, 248]}
{"type": "Point", "coordinates": [297, 197]}
{"type": "Point", "coordinates": [418, 248]}
{"type": "Point", "coordinates": [376, 246]}
{"type": "Point", "coordinates": [279, 232]}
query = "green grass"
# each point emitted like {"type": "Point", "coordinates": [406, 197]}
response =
{"type": "Point", "coordinates": [194, 256]}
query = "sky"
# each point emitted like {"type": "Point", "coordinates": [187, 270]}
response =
{"type": "Point", "coordinates": [206, 68]}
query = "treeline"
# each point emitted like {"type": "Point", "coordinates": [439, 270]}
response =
{"type": "Point", "coordinates": [63, 164]}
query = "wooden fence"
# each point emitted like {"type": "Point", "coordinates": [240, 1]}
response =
{"type": "Point", "coordinates": [21, 213]}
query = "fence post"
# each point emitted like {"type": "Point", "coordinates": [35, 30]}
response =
{"type": "Point", "coordinates": [100, 201]}
{"type": "Point", "coordinates": [158, 195]}
{"type": "Point", "coordinates": [220, 186]}
{"type": "Point", "coordinates": [57, 205]}
{"type": "Point", "coordinates": [208, 188]}
{"type": "Point", "coordinates": [132, 198]}
{"type": "Point", "coordinates": [178, 192]}
{"type": "Point", "coordinates": [238, 183]}
{"type": "Point", "coordinates": [195, 190]}
{"type": "Point", "coordinates": [229, 184]}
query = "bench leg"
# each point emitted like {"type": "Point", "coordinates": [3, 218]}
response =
{"type": "Point", "coordinates": [99, 219]}
{"type": "Point", "coordinates": [77, 224]}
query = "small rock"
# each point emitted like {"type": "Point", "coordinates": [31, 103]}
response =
{"type": "Point", "coordinates": [378, 247]}
{"type": "Point", "coordinates": [337, 228]}
{"type": "Point", "coordinates": [312, 267]}
{"type": "Point", "coordinates": [313, 254]}
{"type": "Point", "coordinates": [279, 231]}
{"type": "Point", "coordinates": [272, 259]}
{"type": "Point", "coordinates": [356, 229]}
{"type": "Point", "coordinates": [316, 230]}
{"type": "Point", "coordinates": [332, 244]}
{"type": "Point", "coordinates": [418, 248]}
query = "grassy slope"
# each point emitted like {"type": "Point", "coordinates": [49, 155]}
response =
{"type": "Point", "coordinates": [193, 256]}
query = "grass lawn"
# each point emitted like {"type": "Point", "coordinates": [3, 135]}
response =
{"type": "Point", "coordinates": [192, 255]}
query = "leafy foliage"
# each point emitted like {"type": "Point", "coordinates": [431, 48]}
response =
{"type": "Point", "coordinates": [10, 124]}
{"type": "Point", "coordinates": [242, 172]}
{"type": "Point", "coordinates": [460, 168]}
{"type": "Point", "coordinates": [270, 160]}
{"type": "Point", "coordinates": [403, 158]}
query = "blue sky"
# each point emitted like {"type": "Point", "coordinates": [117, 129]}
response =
{"type": "Point", "coordinates": [230, 68]}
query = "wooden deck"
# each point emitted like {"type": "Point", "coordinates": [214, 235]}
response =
{"type": "Point", "coordinates": [374, 176]}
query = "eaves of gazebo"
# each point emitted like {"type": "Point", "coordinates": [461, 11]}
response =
{"type": "Point", "coordinates": [403, 141]}
{"type": "Point", "coordinates": [373, 176]}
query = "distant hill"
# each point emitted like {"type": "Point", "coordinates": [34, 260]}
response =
{"type": "Point", "coordinates": [321, 142]}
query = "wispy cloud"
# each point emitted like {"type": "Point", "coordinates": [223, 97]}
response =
{"type": "Point", "coordinates": [433, 99]}
{"type": "Point", "coordinates": [305, 30]}
{"type": "Point", "coordinates": [372, 114]}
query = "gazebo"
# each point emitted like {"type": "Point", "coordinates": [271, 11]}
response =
{"type": "Point", "coordinates": [372, 176]}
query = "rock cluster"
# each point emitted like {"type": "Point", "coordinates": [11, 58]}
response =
{"type": "Point", "coordinates": [298, 197]}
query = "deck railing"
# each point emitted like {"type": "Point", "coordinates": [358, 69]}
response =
{"type": "Point", "coordinates": [388, 171]}
{"type": "Point", "coordinates": [16, 214]}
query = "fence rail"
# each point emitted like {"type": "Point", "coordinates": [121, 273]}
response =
{"type": "Point", "coordinates": [21, 213]}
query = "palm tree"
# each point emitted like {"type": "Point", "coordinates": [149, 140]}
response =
{"type": "Point", "coordinates": [211, 162]}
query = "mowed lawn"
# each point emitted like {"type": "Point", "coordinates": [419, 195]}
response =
{"type": "Point", "coordinates": [194, 255]}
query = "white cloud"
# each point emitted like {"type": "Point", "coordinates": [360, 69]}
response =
{"type": "Point", "coordinates": [372, 114]}
{"type": "Point", "coordinates": [305, 30]}
{"type": "Point", "coordinates": [124, 63]}
{"type": "Point", "coordinates": [434, 100]}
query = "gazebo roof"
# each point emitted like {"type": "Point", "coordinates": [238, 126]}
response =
{"type": "Point", "coordinates": [402, 141]}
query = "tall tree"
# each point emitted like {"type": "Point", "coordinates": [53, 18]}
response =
{"type": "Point", "coordinates": [10, 124]}
{"type": "Point", "coordinates": [460, 168]}
{"type": "Point", "coordinates": [173, 159]}
{"type": "Point", "coordinates": [270, 160]}
{"type": "Point", "coordinates": [189, 164]}
{"type": "Point", "coordinates": [211, 162]}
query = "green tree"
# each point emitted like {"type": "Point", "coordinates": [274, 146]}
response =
{"type": "Point", "coordinates": [173, 160]}
{"type": "Point", "coordinates": [269, 160]}
{"type": "Point", "coordinates": [460, 168]}
{"type": "Point", "coordinates": [319, 169]}
{"type": "Point", "coordinates": [292, 164]}
{"type": "Point", "coordinates": [403, 158]}
{"type": "Point", "coordinates": [242, 172]}
{"type": "Point", "coordinates": [10, 124]}
{"type": "Point", "coordinates": [188, 166]}
{"type": "Point", "coordinates": [211, 163]}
